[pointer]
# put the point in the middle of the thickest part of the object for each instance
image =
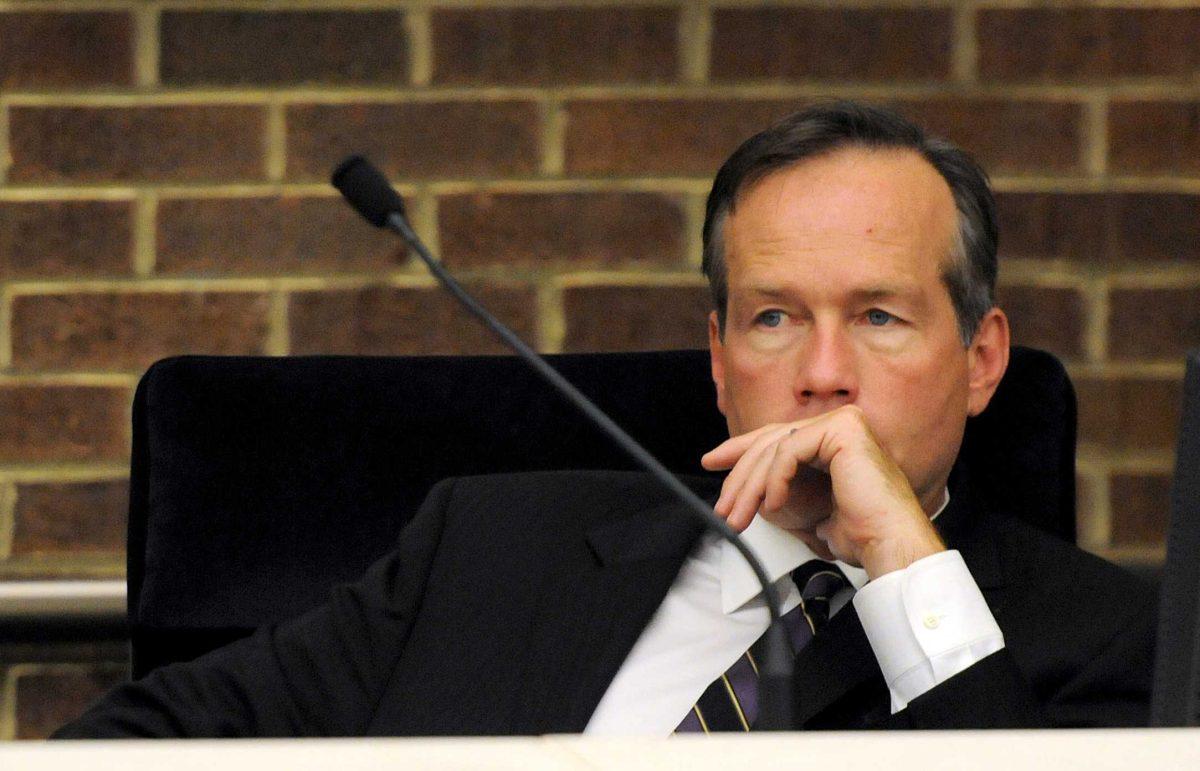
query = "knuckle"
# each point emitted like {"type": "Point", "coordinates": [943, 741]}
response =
{"type": "Point", "coordinates": [852, 412]}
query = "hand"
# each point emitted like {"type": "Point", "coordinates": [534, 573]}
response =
{"type": "Point", "coordinates": [828, 481]}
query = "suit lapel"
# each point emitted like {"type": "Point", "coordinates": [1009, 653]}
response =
{"type": "Point", "coordinates": [592, 623]}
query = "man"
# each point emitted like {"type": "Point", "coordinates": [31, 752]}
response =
{"type": "Point", "coordinates": [852, 262]}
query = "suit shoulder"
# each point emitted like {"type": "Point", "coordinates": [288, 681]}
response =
{"type": "Point", "coordinates": [1063, 597]}
{"type": "Point", "coordinates": [1034, 556]}
{"type": "Point", "coordinates": [580, 492]}
{"type": "Point", "coordinates": [571, 485]}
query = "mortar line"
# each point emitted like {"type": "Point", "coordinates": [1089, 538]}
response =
{"type": "Point", "coordinates": [6, 346]}
{"type": "Point", "coordinates": [737, 91]}
{"type": "Point", "coordinates": [279, 333]}
{"type": "Point", "coordinates": [588, 278]}
{"type": "Point", "coordinates": [553, 119]}
{"type": "Point", "coordinates": [51, 379]}
{"type": "Point", "coordinates": [419, 28]}
{"type": "Point", "coordinates": [1115, 370]}
{"type": "Point", "coordinates": [145, 234]}
{"type": "Point", "coordinates": [8, 517]}
{"type": "Point", "coordinates": [964, 52]}
{"type": "Point", "coordinates": [1096, 336]}
{"type": "Point", "coordinates": [1161, 277]}
{"type": "Point", "coordinates": [275, 142]}
{"type": "Point", "coordinates": [6, 159]}
{"type": "Point", "coordinates": [8, 704]}
{"type": "Point", "coordinates": [651, 183]}
{"type": "Point", "coordinates": [146, 19]}
{"type": "Point", "coordinates": [425, 223]}
{"type": "Point", "coordinates": [694, 42]}
{"type": "Point", "coordinates": [68, 473]}
{"type": "Point", "coordinates": [693, 223]}
{"type": "Point", "coordinates": [157, 284]}
{"type": "Point", "coordinates": [551, 317]}
{"type": "Point", "coordinates": [1095, 136]}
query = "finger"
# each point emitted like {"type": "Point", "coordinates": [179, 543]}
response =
{"type": "Point", "coordinates": [792, 449]}
{"type": "Point", "coordinates": [749, 498]}
{"type": "Point", "coordinates": [744, 465]}
{"type": "Point", "coordinates": [726, 454]}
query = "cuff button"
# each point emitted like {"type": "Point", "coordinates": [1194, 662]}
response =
{"type": "Point", "coordinates": [931, 621]}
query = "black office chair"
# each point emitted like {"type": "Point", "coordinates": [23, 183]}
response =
{"type": "Point", "coordinates": [257, 483]}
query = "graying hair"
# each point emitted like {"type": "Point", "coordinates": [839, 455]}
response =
{"type": "Point", "coordinates": [969, 274]}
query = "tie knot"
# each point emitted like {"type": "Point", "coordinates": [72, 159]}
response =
{"type": "Point", "coordinates": [817, 578]}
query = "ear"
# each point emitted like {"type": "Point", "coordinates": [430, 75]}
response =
{"type": "Point", "coordinates": [987, 359]}
{"type": "Point", "coordinates": [716, 352]}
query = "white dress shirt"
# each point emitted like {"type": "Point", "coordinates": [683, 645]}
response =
{"type": "Point", "coordinates": [925, 624]}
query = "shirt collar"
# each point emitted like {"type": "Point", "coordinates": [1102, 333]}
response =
{"type": "Point", "coordinates": [780, 553]}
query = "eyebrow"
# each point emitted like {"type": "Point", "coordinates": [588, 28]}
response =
{"type": "Point", "coordinates": [886, 292]}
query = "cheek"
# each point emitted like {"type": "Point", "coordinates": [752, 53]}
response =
{"type": "Point", "coordinates": [918, 413]}
{"type": "Point", "coordinates": [758, 390]}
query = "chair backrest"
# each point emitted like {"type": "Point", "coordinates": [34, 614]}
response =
{"type": "Point", "coordinates": [257, 483]}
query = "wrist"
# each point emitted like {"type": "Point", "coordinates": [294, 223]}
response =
{"type": "Point", "coordinates": [889, 554]}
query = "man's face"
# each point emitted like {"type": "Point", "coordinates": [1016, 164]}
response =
{"type": "Point", "coordinates": [836, 297]}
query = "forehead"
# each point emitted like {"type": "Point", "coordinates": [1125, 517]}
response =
{"type": "Point", "coordinates": [878, 213]}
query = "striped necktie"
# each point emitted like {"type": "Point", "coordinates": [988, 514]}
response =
{"type": "Point", "coordinates": [730, 703]}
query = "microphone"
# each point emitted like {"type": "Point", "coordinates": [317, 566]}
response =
{"type": "Point", "coordinates": [372, 196]}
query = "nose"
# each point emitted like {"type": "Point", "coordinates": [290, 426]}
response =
{"type": "Point", "coordinates": [827, 377]}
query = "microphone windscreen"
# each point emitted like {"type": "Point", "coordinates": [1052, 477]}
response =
{"type": "Point", "coordinates": [367, 190]}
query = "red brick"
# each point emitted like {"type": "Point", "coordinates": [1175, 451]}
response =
{"type": "Point", "coordinates": [1129, 413]}
{"type": "Point", "coordinates": [403, 321]}
{"type": "Point", "coordinates": [1154, 137]}
{"type": "Point", "coordinates": [65, 238]}
{"type": "Point", "coordinates": [831, 43]}
{"type": "Point", "coordinates": [1100, 228]}
{"type": "Point", "coordinates": [40, 424]}
{"type": "Point", "coordinates": [130, 330]}
{"type": "Point", "coordinates": [69, 518]}
{"type": "Point", "coordinates": [669, 136]}
{"type": "Point", "coordinates": [416, 140]}
{"type": "Point", "coordinates": [636, 318]}
{"type": "Point", "coordinates": [169, 144]}
{"type": "Point", "coordinates": [1153, 323]}
{"type": "Point", "coordinates": [567, 228]}
{"type": "Point", "coordinates": [271, 235]}
{"type": "Point", "coordinates": [1048, 318]}
{"type": "Point", "coordinates": [283, 47]}
{"type": "Point", "coordinates": [47, 700]}
{"type": "Point", "coordinates": [554, 45]}
{"type": "Point", "coordinates": [1007, 136]}
{"type": "Point", "coordinates": [693, 136]}
{"type": "Point", "coordinates": [47, 49]}
{"type": "Point", "coordinates": [1141, 506]}
{"type": "Point", "coordinates": [1088, 44]}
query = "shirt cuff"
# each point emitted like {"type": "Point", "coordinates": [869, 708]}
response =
{"type": "Point", "coordinates": [926, 623]}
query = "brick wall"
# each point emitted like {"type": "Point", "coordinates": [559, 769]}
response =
{"type": "Point", "coordinates": [162, 191]}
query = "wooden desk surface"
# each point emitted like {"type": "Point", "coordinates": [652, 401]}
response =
{"type": "Point", "coordinates": [1091, 750]}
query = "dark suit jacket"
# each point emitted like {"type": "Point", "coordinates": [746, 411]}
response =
{"type": "Point", "coordinates": [510, 602]}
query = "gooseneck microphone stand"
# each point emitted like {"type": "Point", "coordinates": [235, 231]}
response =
{"type": "Point", "coordinates": [369, 192]}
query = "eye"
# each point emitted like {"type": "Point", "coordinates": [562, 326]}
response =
{"type": "Point", "coordinates": [878, 318]}
{"type": "Point", "coordinates": [769, 318]}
